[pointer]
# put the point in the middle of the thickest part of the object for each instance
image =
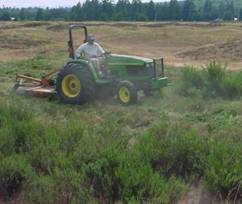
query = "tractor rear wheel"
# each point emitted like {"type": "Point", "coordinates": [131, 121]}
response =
{"type": "Point", "coordinates": [127, 93]}
{"type": "Point", "coordinates": [75, 84]}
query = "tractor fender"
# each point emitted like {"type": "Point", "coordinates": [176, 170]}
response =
{"type": "Point", "coordinates": [86, 64]}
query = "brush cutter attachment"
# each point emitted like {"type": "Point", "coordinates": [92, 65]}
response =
{"type": "Point", "coordinates": [44, 87]}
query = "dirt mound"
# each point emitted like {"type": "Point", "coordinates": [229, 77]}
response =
{"type": "Point", "coordinates": [25, 25]}
{"type": "Point", "coordinates": [60, 27]}
{"type": "Point", "coordinates": [229, 50]}
{"type": "Point", "coordinates": [16, 42]}
{"type": "Point", "coordinates": [35, 24]}
{"type": "Point", "coordinates": [57, 27]}
{"type": "Point", "coordinates": [64, 26]}
{"type": "Point", "coordinates": [182, 24]}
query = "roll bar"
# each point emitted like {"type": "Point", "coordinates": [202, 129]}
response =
{"type": "Point", "coordinates": [70, 41]}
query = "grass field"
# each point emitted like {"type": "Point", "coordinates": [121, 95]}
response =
{"type": "Point", "coordinates": [181, 145]}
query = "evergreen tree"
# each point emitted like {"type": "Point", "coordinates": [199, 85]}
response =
{"type": "Point", "coordinates": [174, 10]}
{"type": "Point", "coordinates": [208, 10]}
{"type": "Point", "coordinates": [163, 11]}
{"type": "Point", "coordinates": [39, 15]}
{"type": "Point", "coordinates": [22, 14]}
{"type": "Point", "coordinates": [91, 10]}
{"type": "Point", "coordinates": [137, 11]}
{"type": "Point", "coordinates": [122, 10]}
{"type": "Point", "coordinates": [106, 10]}
{"type": "Point", "coordinates": [240, 14]}
{"type": "Point", "coordinates": [221, 9]}
{"type": "Point", "coordinates": [5, 16]}
{"type": "Point", "coordinates": [46, 15]}
{"type": "Point", "coordinates": [151, 11]}
{"type": "Point", "coordinates": [189, 10]}
{"type": "Point", "coordinates": [76, 13]}
{"type": "Point", "coordinates": [229, 10]}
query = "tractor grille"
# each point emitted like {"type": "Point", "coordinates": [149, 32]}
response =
{"type": "Point", "coordinates": [138, 71]}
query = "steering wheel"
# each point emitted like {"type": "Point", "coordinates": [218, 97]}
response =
{"type": "Point", "coordinates": [106, 54]}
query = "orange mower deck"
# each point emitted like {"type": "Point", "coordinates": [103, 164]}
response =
{"type": "Point", "coordinates": [37, 87]}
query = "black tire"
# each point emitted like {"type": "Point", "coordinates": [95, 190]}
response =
{"type": "Point", "coordinates": [148, 92]}
{"type": "Point", "coordinates": [83, 74]}
{"type": "Point", "coordinates": [132, 93]}
{"type": "Point", "coordinates": [16, 86]}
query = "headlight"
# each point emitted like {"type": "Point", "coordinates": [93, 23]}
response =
{"type": "Point", "coordinates": [148, 65]}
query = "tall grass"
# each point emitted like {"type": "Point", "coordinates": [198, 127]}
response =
{"type": "Point", "coordinates": [73, 162]}
{"type": "Point", "coordinates": [211, 81]}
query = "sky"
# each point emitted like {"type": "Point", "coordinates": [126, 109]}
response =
{"type": "Point", "coordinates": [41, 3]}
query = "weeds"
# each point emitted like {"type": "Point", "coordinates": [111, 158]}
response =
{"type": "Point", "coordinates": [67, 163]}
{"type": "Point", "coordinates": [74, 163]}
{"type": "Point", "coordinates": [44, 155]}
{"type": "Point", "coordinates": [224, 170]}
{"type": "Point", "coordinates": [35, 66]}
{"type": "Point", "coordinates": [212, 80]}
{"type": "Point", "coordinates": [15, 171]}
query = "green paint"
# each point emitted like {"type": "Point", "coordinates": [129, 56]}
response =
{"type": "Point", "coordinates": [139, 70]}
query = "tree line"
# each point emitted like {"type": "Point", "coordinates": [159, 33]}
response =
{"type": "Point", "coordinates": [124, 10]}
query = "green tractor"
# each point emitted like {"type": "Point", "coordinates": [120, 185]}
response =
{"type": "Point", "coordinates": [79, 81]}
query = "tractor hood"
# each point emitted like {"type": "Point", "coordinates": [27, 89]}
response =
{"type": "Point", "coordinates": [128, 60]}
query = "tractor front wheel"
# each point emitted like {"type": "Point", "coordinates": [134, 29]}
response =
{"type": "Point", "coordinates": [127, 93]}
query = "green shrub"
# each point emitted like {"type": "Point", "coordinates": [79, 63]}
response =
{"type": "Point", "coordinates": [73, 162]}
{"type": "Point", "coordinates": [232, 85]}
{"type": "Point", "coordinates": [192, 78]}
{"type": "Point", "coordinates": [15, 170]}
{"type": "Point", "coordinates": [70, 185]}
{"type": "Point", "coordinates": [224, 170]}
{"type": "Point", "coordinates": [40, 190]}
{"type": "Point", "coordinates": [178, 151]}
{"type": "Point", "coordinates": [214, 76]}
{"type": "Point", "coordinates": [15, 125]}
{"type": "Point", "coordinates": [121, 176]}
{"type": "Point", "coordinates": [19, 130]}
{"type": "Point", "coordinates": [63, 186]}
{"type": "Point", "coordinates": [212, 80]}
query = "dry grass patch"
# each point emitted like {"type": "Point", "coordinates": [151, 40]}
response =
{"type": "Point", "coordinates": [229, 50]}
{"type": "Point", "coordinates": [19, 42]}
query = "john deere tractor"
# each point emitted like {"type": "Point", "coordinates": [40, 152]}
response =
{"type": "Point", "coordinates": [79, 80]}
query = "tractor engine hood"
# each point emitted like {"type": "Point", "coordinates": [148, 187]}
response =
{"type": "Point", "coordinates": [128, 60]}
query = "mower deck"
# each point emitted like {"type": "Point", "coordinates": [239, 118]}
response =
{"type": "Point", "coordinates": [35, 87]}
{"type": "Point", "coordinates": [39, 91]}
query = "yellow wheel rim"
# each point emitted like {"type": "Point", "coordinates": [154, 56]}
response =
{"type": "Point", "coordinates": [71, 85]}
{"type": "Point", "coordinates": [124, 94]}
